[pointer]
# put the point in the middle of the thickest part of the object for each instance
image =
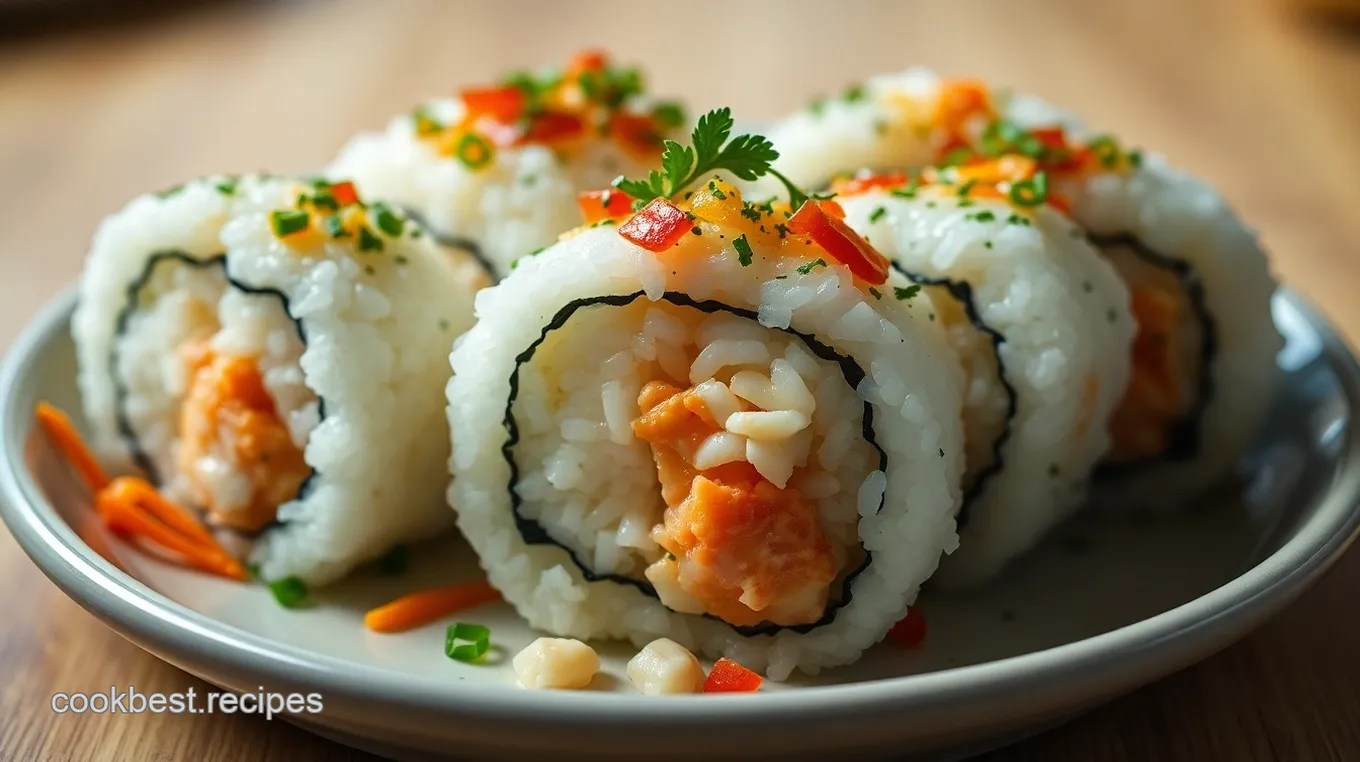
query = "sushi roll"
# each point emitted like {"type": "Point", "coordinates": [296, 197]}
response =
{"type": "Point", "coordinates": [708, 420]}
{"type": "Point", "coordinates": [499, 167]}
{"type": "Point", "coordinates": [272, 352]}
{"type": "Point", "coordinates": [1203, 357]}
{"type": "Point", "coordinates": [1042, 325]}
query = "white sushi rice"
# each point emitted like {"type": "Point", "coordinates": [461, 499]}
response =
{"type": "Point", "coordinates": [593, 485]}
{"type": "Point", "coordinates": [1173, 213]}
{"type": "Point", "coordinates": [1064, 314]}
{"type": "Point", "coordinates": [377, 329]}
{"type": "Point", "coordinates": [517, 204]}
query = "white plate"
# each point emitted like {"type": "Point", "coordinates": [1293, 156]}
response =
{"type": "Point", "coordinates": [1105, 606]}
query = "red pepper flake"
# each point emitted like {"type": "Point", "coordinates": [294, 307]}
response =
{"type": "Point", "coordinates": [639, 135]}
{"type": "Point", "coordinates": [910, 632]}
{"type": "Point", "coordinates": [866, 183]}
{"type": "Point", "coordinates": [601, 205]}
{"type": "Point", "coordinates": [553, 127]}
{"type": "Point", "coordinates": [658, 226]}
{"type": "Point", "coordinates": [504, 104]}
{"type": "Point", "coordinates": [344, 193]}
{"type": "Point", "coordinates": [821, 221]}
{"type": "Point", "coordinates": [586, 60]}
{"type": "Point", "coordinates": [728, 676]}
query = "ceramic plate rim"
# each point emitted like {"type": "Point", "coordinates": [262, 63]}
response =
{"type": "Point", "coordinates": [131, 606]}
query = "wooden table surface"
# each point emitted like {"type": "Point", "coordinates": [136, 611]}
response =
{"type": "Point", "coordinates": [1263, 103]}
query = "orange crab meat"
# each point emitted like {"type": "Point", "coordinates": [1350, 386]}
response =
{"type": "Point", "coordinates": [228, 425]}
{"type": "Point", "coordinates": [1154, 399]}
{"type": "Point", "coordinates": [746, 550]}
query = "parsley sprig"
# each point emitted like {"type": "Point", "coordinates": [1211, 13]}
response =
{"type": "Point", "coordinates": [747, 156]}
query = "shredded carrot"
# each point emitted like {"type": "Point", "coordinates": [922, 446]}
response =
{"type": "Point", "coordinates": [136, 491]}
{"type": "Point", "coordinates": [69, 441]}
{"type": "Point", "coordinates": [416, 609]}
{"type": "Point", "coordinates": [126, 517]}
{"type": "Point", "coordinates": [131, 507]}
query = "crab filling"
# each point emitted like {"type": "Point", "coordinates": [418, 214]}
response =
{"type": "Point", "coordinates": [1161, 396]}
{"type": "Point", "coordinates": [713, 460]}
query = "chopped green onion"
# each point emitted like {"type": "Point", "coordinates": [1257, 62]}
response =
{"type": "Point", "coordinates": [957, 156]}
{"type": "Point", "coordinates": [389, 222]}
{"type": "Point", "coordinates": [368, 241]}
{"type": "Point", "coordinates": [718, 194]}
{"type": "Point", "coordinates": [967, 187]}
{"type": "Point", "coordinates": [324, 199]}
{"type": "Point", "coordinates": [395, 560]}
{"type": "Point", "coordinates": [855, 93]}
{"type": "Point", "coordinates": [984, 216]}
{"type": "Point", "coordinates": [807, 268]}
{"type": "Point", "coordinates": [1016, 219]}
{"type": "Point", "coordinates": [335, 227]}
{"type": "Point", "coordinates": [476, 637]}
{"type": "Point", "coordinates": [1031, 192]}
{"type": "Point", "coordinates": [1106, 150]}
{"type": "Point", "coordinates": [289, 221]}
{"type": "Point", "coordinates": [227, 187]}
{"type": "Point", "coordinates": [1136, 158]}
{"type": "Point", "coordinates": [877, 214]}
{"type": "Point", "coordinates": [909, 191]}
{"type": "Point", "coordinates": [904, 294]}
{"type": "Point", "coordinates": [169, 192]}
{"type": "Point", "coordinates": [474, 152]}
{"type": "Point", "coordinates": [425, 123]}
{"type": "Point", "coordinates": [290, 592]}
{"type": "Point", "coordinates": [743, 247]}
{"type": "Point", "coordinates": [669, 113]}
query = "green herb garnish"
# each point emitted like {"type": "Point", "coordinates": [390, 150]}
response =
{"type": "Point", "coordinates": [227, 187]}
{"type": "Point", "coordinates": [985, 215]}
{"type": "Point", "coordinates": [335, 227]}
{"type": "Point", "coordinates": [466, 642]}
{"type": "Point", "coordinates": [877, 214]}
{"type": "Point", "coordinates": [1031, 192]}
{"type": "Point", "coordinates": [286, 222]}
{"type": "Point", "coordinates": [743, 247]}
{"type": "Point", "coordinates": [368, 241]}
{"type": "Point", "coordinates": [854, 93]}
{"type": "Point", "coordinates": [290, 592]}
{"type": "Point", "coordinates": [425, 123]}
{"type": "Point", "coordinates": [669, 114]}
{"type": "Point", "coordinates": [473, 151]}
{"type": "Point", "coordinates": [1016, 219]}
{"type": "Point", "coordinates": [904, 294]}
{"type": "Point", "coordinates": [746, 156]}
{"type": "Point", "coordinates": [389, 222]}
{"type": "Point", "coordinates": [807, 268]}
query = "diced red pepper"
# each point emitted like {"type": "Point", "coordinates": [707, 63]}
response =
{"type": "Point", "coordinates": [504, 104]}
{"type": "Point", "coordinates": [553, 127]}
{"type": "Point", "coordinates": [344, 193]}
{"type": "Point", "coordinates": [605, 204]}
{"type": "Point", "coordinates": [728, 676]}
{"type": "Point", "coordinates": [1060, 202]}
{"type": "Point", "coordinates": [910, 632]}
{"type": "Point", "coordinates": [821, 221]}
{"type": "Point", "coordinates": [1061, 155]}
{"type": "Point", "coordinates": [1051, 137]}
{"type": "Point", "coordinates": [657, 226]}
{"type": "Point", "coordinates": [857, 185]}
{"type": "Point", "coordinates": [636, 134]}
{"type": "Point", "coordinates": [586, 60]}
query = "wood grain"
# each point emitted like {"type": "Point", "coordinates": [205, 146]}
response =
{"type": "Point", "coordinates": [1264, 104]}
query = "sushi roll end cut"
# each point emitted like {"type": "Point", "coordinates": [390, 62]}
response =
{"type": "Point", "coordinates": [715, 421]}
{"type": "Point", "coordinates": [1203, 355]}
{"type": "Point", "coordinates": [498, 167]}
{"type": "Point", "coordinates": [271, 352]}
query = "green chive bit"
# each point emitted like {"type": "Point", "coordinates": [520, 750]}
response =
{"type": "Point", "coordinates": [289, 221]}
{"type": "Point", "coordinates": [904, 294]}
{"type": "Point", "coordinates": [227, 187]}
{"type": "Point", "coordinates": [877, 214]}
{"type": "Point", "coordinates": [804, 269]}
{"type": "Point", "coordinates": [335, 227]}
{"type": "Point", "coordinates": [984, 216]}
{"type": "Point", "coordinates": [1031, 192]}
{"type": "Point", "coordinates": [389, 222]}
{"type": "Point", "coordinates": [395, 561]}
{"type": "Point", "coordinates": [744, 253]}
{"type": "Point", "coordinates": [368, 241]}
{"type": "Point", "coordinates": [466, 642]}
{"type": "Point", "coordinates": [474, 152]}
{"type": "Point", "coordinates": [290, 592]}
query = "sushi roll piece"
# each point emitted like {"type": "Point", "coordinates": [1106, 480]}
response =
{"type": "Point", "coordinates": [498, 168]}
{"type": "Point", "coordinates": [1041, 323]}
{"type": "Point", "coordinates": [1203, 357]}
{"type": "Point", "coordinates": [712, 421]}
{"type": "Point", "coordinates": [272, 352]}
